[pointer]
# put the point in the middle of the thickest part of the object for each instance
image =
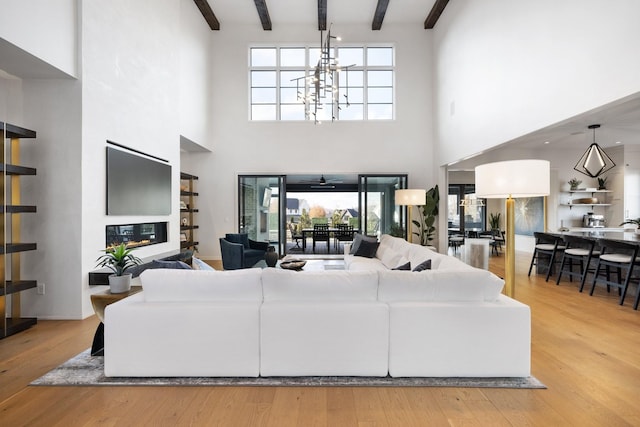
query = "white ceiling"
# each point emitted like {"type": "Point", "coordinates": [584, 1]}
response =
{"type": "Point", "coordinates": [619, 124]}
{"type": "Point", "coordinates": [306, 12]}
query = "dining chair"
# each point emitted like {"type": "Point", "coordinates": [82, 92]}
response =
{"type": "Point", "coordinates": [344, 233]}
{"type": "Point", "coordinates": [546, 252]}
{"type": "Point", "coordinates": [321, 234]}
{"type": "Point", "coordinates": [580, 250]}
{"type": "Point", "coordinates": [497, 242]}
{"type": "Point", "coordinates": [619, 256]}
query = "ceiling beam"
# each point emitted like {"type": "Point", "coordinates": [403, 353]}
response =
{"type": "Point", "coordinates": [322, 15]}
{"type": "Point", "coordinates": [207, 14]}
{"type": "Point", "coordinates": [378, 17]}
{"type": "Point", "coordinates": [435, 13]}
{"type": "Point", "coordinates": [263, 12]}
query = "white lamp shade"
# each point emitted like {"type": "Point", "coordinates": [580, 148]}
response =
{"type": "Point", "coordinates": [411, 197]}
{"type": "Point", "coordinates": [515, 178]}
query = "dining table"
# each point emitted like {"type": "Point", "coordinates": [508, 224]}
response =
{"type": "Point", "coordinates": [309, 231]}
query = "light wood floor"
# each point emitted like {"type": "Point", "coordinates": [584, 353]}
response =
{"type": "Point", "coordinates": [585, 349]}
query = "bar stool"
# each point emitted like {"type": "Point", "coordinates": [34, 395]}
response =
{"type": "Point", "coordinates": [618, 255]}
{"type": "Point", "coordinates": [577, 249]}
{"type": "Point", "coordinates": [549, 246]}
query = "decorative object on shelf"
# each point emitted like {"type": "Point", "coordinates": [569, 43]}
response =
{"type": "Point", "coordinates": [635, 222]}
{"type": "Point", "coordinates": [586, 201]}
{"type": "Point", "coordinates": [594, 162]}
{"type": "Point", "coordinates": [184, 221]}
{"type": "Point", "coordinates": [509, 179]}
{"type": "Point", "coordinates": [271, 257]}
{"type": "Point", "coordinates": [293, 264]}
{"type": "Point", "coordinates": [119, 259]}
{"type": "Point", "coordinates": [320, 89]}
{"type": "Point", "coordinates": [409, 198]}
{"type": "Point", "coordinates": [183, 205]}
{"type": "Point", "coordinates": [602, 183]}
{"type": "Point", "coordinates": [183, 237]}
{"type": "Point", "coordinates": [574, 182]}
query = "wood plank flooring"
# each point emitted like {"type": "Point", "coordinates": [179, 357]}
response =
{"type": "Point", "coordinates": [585, 349]}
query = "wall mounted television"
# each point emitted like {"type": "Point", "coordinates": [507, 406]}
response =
{"type": "Point", "coordinates": [137, 185]}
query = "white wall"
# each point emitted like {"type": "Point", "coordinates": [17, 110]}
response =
{"type": "Point", "coordinates": [195, 72]}
{"type": "Point", "coordinates": [505, 68]}
{"type": "Point", "coordinates": [46, 29]}
{"type": "Point", "coordinates": [241, 146]}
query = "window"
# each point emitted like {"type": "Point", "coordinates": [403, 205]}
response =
{"type": "Point", "coordinates": [365, 84]}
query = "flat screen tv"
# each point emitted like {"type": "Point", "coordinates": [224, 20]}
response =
{"type": "Point", "coordinates": [137, 185]}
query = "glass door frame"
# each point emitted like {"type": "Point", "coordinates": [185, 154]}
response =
{"type": "Point", "coordinates": [280, 241]}
{"type": "Point", "coordinates": [363, 203]}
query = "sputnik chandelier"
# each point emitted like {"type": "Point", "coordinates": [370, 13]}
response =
{"type": "Point", "coordinates": [320, 89]}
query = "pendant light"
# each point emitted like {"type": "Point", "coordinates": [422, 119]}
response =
{"type": "Point", "coordinates": [594, 162]}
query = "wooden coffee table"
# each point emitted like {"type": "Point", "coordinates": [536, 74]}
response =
{"type": "Point", "coordinates": [100, 301]}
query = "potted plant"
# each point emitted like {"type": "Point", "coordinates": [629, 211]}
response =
{"type": "Point", "coordinates": [428, 213]}
{"type": "Point", "coordinates": [119, 259]}
{"type": "Point", "coordinates": [494, 221]}
{"type": "Point", "coordinates": [635, 222]}
{"type": "Point", "coordinates": [574, 182]}
{"type": "Point", "coordinates": [602, 183]}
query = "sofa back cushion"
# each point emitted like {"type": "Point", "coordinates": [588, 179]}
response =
{"type": "Point", "coordinates": [194, 285]}
{"type": "Point", "coordinates": [330, 285]}
{"type": "Point", "coordinates": [439, 285]}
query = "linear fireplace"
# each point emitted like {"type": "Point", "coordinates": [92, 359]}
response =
{"type": "Point", "coordinates": [136, 235]}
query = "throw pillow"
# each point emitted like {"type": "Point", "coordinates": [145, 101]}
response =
{"type": "Point", "coordinates": [199, 264]}
{"type": "Point", "coordinates": [406, 267]}
{"type": "Point", "coordinates": [178, 265]}
{"type": "Point", "coordinates": [425, 265]}
{"type": "Point", "coordinates": [358, 239]}
{"type": "Point", "coordinates": [367, 249]}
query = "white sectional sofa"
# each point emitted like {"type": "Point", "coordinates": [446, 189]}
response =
{"type": "Point", "coordinates": [447, 321]}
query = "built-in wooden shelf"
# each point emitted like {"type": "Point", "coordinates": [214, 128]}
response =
{"type": "Point", "coordinates": [14, 287]}
{"type": "Point", "coordinates": [188, 197]}
{"type": "Point", "coordinates": [10, 220]}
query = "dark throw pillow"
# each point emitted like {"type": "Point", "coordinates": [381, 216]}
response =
{"type": "Point", "coordinates": [405, 267]}
{"type": "Point", "coordinates": [425, 265]}
{"type": "Point", "coordinates": [179, 265]}
{"type": "Point", "coordinates": [358, 239]}
{"type": "Point", "coordinates": [367, 249]}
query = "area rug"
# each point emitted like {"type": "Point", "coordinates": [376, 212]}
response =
{"type": "Point", "coordinates": [87, 370]}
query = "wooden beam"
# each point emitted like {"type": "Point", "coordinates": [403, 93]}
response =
{"type": "Point", "coordinates": [207, 14]}
{"type": "Point", "coordinates": [263, 12]}
{"type": "Point", "coordinates": [322, 15]}
{"type": "Point", "coordinates": [435, 13]}
{"type": "Point", "coordinates": [378, 17]}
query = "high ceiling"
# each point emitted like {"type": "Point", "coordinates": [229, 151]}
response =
{"type": "Point", "coordinates": [315, 12]}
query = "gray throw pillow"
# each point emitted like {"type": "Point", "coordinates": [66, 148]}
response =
{"type": "Point", "coordinates": [425, 265]}
{"type": "Point", "coordinates": [358, 239]}
{"type": "Point", "coordinates": [405, 267]}
{"type": "Point", "coordinates": [367, 249]}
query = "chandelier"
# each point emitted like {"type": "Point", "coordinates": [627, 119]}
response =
{"type": "Point", "coordinates": [594, 162]}
{"type": "Point", "coordinates": [320, 89]}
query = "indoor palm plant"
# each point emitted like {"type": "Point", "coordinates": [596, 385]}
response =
{"type": "Point", "coordinates": [428, 213]}
{"type": "Point", "coordinates": [494, 221]}
{"type": "Point", "coordinates": [119, 259]}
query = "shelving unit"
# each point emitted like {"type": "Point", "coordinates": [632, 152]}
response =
{"type": "Point", "coordinates": [585, 191]}
{"type": "Point", "coordinates": [10, 252]}
{"type": "Point", "coordinates": [187, 196]}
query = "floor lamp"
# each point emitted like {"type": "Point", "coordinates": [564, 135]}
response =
{"type": "Point", "coordinates": [509, 180]}
{"type": "Point", "coordinates": [409, 198]}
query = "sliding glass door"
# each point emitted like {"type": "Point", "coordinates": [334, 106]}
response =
{"type": "Point", "coordinates": [261, 208]}
{"type": "Point", "coordinates": [378, 211]}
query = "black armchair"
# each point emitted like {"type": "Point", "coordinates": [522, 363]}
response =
{"type": "Point", "coordinates": [238, 251]}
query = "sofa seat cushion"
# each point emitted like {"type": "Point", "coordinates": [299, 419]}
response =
{"type": "Point", "coordinates": [332, 285]}
{"type": "Point", "coordinates": [439, 285]}
{"type": "Point", "coordinates": [194, 285]}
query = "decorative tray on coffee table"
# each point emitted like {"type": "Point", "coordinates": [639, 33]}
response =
{"type": "Point", "coordinates": [293, 264]}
